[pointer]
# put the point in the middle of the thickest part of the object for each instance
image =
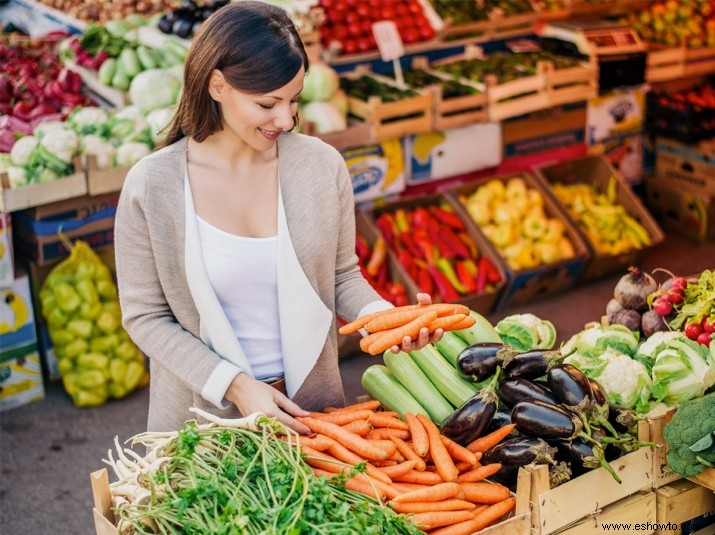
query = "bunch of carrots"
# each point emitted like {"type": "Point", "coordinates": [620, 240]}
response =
{"type": "Point", "coordinates": [409, 465]}
{"type": "Point", "coordinates": [388, 327]}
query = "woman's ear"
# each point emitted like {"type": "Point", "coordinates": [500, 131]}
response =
{"type": "Point", "coordinates": [217, 85]}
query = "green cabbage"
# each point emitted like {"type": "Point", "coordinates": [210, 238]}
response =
{"type": "Point", "coordinates": [598, 338]}
{"type": "Point", "coordinates": [526, 331]}
{"type": "Point", "coordinates": [682, 370]}
{"type": "Point", "coordinates": [320, 84]}
{"type": "Point", "coordinates": [154, 88]}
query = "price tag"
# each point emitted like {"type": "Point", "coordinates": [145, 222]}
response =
{"type": "Point", "coordinates": [388, 40]}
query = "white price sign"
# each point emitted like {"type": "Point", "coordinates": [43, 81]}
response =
{"type": "Point", "coordinates": [388, 40]}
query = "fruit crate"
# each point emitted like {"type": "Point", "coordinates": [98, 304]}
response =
{"type": "Point", "coordinates": [526, 285]}
{"type": "Point", "coordinates": [684, 502]}
{"type": "Point", "coordinates": [651, 430]}
{"type": "Point", "coordinates": [455, 112]}
{"type": "Point", "coordinates": [391, 120]}
{"type": "Point", "coordinates": [115, 97]}
{"type": "Point", "coordinates": [674, 63]}
{"type": "Point", "coordinates": [596, 170]}
{"type": "Point", "coordinates": [101, 181]}
{"type": "Point", "coordinates": [681, 120]}
{"type": "Point", "coordinates": [479, 302]}
{"type": "Point", "coordinates": [573, 502]}
{"type": "Point", "coordinates": [497, 27]}
{"type": "Point", "coordinates": [13, 199]}
{"type": "Point", "coordinates": [573, 84]}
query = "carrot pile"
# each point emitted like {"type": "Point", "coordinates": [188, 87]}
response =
{"type": "Point", "coordinates": [388, 327]}
{"type": "Point", "coordinates": [409, 465]}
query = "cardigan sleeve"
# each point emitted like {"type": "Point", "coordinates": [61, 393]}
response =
{"type": "Point", "coordinates": [146, 313]}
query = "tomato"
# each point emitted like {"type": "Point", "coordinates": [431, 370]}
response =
{"type": "Point", "coordinates": [333, 16]}
{"type": "Point", "coordinates": [340, 6]}
{"type": "Point", "coordinates": [426, 33]}
{"type": "Point", "coordinates": [414, 7]}
{"type": "Point", "coordinates": [364, 44]}
{"type": "Point", "coordinates": [326, 34]}
{"type": "Point", "coordinates": [349, 46]}
{"type": "Point", "coordinates": [351, 17]}
{"type": "Point", "coordinates": [352, 3]}
{"type": "Point", "coordinates": [363, 11]}
{"type": "Point", "coordinates": [366, 27]}
{"type": "Point", "coordinates": [387, 13]}
{"type": "Point", "coordinates": [693, 330]}
{"type": "Point", "coordinates": [709, 324]}
{"type": "Point", "coordinates": [401, 10]}
{"type": "Point", "coordinates": [340, 32]}
{"type": "Point", "coordinates": [410, 35]}
{"type": "Point", "coordinates": [354, 29]}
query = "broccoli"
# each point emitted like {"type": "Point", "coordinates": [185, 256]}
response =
{"type": "Point", "coordinates": [690, 436]}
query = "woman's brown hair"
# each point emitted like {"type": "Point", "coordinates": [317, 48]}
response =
{"type": "Point", "coordinates": [257, 48]}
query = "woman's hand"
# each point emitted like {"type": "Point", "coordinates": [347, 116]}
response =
{"type": "Point", "coordinates": [423, 338]}
{"type": "Point", "coordinates": [250, 395]}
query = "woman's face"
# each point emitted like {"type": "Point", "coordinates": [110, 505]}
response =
{"type": "Point", "coordinates": [258, 120]}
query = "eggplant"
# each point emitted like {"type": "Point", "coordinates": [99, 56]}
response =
{"type": "Point", "coordinates": [599, 394]}
{"type": "Point", "coordinates": [530, 364]}
{"type": "Point", "coordinates": [183, 27]}
{"type": "Point", "coordinates": [622, 419]}
{"type": "Point", "coordinates": [514, 389]}
{"type": "Point", "coordinates": [165, 24]}
{"type": "Point", "coordinates": [570, 386]}
{"type": "Point", "coordinates": [469, 421]}
{"type": "Point", "coordinates": [499, 420]}
{"type": "Point", "coordinates": [584, 455]}
{"type": "Point", "coordinates": [544, 420]}
{"type": "Point", "coordinates": [559, 472]}
{"type": "Point", "coordinates": [479, 361]}
{"type": "Point", "coordinates": [518, 451]}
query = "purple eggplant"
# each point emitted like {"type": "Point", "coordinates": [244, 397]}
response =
{"type": "Point", "coordinates": [570, 386]}
{"type": "Point", "coordinates": [585, 455]}
{"type": "Point", "coordinates": [529, 364]}
{"type": "Point", "coordinates": [469, 421]}
{"type": "Point", "coordinates": [537, 418]}
{"type": "Point", "coordinates": [514, 389]}
{"type": "Point", "coordinates": [518, 451]}
{"type": "Point", "coordinates": [479, 361]}
{"type": "Point", "coordinates": [622, 419]}
{"type": "Point", "coordinates": [499, 420]}
{"type": "Point", "coordinates": [599, 394]}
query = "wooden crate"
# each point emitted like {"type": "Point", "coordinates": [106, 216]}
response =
{"type": "Point", "coordinates": [681, 501]}
{"type": "Point", "coordinates": [651, 430]}
{"type": "Point", "coordinates": [115, 97]}
{"type": "Point", "coordinates": [575, 84]}
{"type": "Point", "coordinates": [638, 509]}
{"type": "Point", "coordinates": [355, 135]}
{"type": "Point", "coordinates": [390, 120]}
{"type": "Point", "coordinates": [664, 63]}
{"type": "Point", "coordinates": [573, 501]}
{"type": "Point", "coordinates": [706, 479]}
{"type": "Point", "coordinates": [12, 199]}
{"type": "Point", "coordinates": [101, 181]}
{"type": "Point", "coordinates": [499, 27]}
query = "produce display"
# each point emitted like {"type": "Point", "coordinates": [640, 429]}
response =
{"type": "Point", "coordinates": [450, 88]}
{"type": "Point", "coordinates": [629, 306]}
{"type": "Point", "coordinates": [466, 11]}
{"type": "Point", "coordinates": [675, 22]}
{"type": "Point", "coordinates": [322, 102]}
{"type": "Point", "coordinates": [95, 356]}
{"type": "Point", "coordinates": [526, 331]}
{"type": "Point", "coordinates": [374, 266]}
{"type": "Point", "coordinates": [184, 21]}
{"type": "Point", "coordinates": [433, 245]}
{"type": "Point", "coordinates": [101, 11]}
{"type": "Point", "coordinates": [511, 214]}
{"type": "Point", "coordinates": [348, 25]}
{"type": "Point", "coordinates": [338, 477]}
{"type": "Point", "coordinates": [606, 223]}
{"type": "Point", "coordinates": [690, 435]}
{"type": "Point", "coordinates": [34, 88]}
{"type": "Point", "coordinates": [364, 87]}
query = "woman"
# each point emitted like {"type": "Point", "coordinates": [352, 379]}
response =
{"type": "Point", "coordinates": [235, 241]}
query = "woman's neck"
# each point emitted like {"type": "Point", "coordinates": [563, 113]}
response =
{"type": "Point", "coordinates": [226, 150]}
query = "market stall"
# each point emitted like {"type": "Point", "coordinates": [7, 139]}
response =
{"type": "Point", "coordinates": [504, 154]}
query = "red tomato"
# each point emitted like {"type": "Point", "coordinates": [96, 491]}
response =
{"type": "Point", "coordinates": [366, 27]}
{"type": "Point", "coordinates": [339, 5]}
{"type": "Point", "coordinates": [693, 330]}
{"type": "Point", "coordinates": [414, 7]}
{"type": "Point", "coordinates": [401, 10]}
{"type": "Point", "coordinates": [364, 44]}
{"type": "Point", "coordinates": [410, 35]}
{"type": "Point", "coordinates": [352, 3]}
{"type": "Point", "coordinates": [326, 34]}
{"type": "Point", "coordinates": [709, 325]}
{"type": "Point", "coordinates": [355, 29]}
{"type": "Point", "coordinates": [363, 11]}
{"type": "Point", "coordinates": [351, 17]}
{"type": "Point", "coordinates": [333, 16]}
{"type": "Point", "coordinates": [349, 47]}
{"type": "Point", "coordinates": [387, 13]}
{"type": "Point", "coordinates": [426, 33]}
{"type": "Point", "coordinates": [340, 32]}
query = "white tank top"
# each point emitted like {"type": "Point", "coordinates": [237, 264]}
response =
{"type": "Point", "coordinates": [243, 273]}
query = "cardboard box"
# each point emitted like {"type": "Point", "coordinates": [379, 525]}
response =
{"type": "Point", "coordinates": [544, 130]}
{"type": "Point", "coordinates": [624, 152]}
{"type": "Point", "coordinates": [689, 167]}
{"type": "Point", "coordinates": [13, 199]}
{"type": "Point", "coordinates": [17, 318]}
{"type": "Point", "coordinates": [613, 114]}
{"type": "Point", "coordinates": [682, 211]}
{"type": "Point", "coordinates": [437, 155]}
{"type": "Point", "coordinates": [75, 208]}
{"type": "Point", "coordinates": [376, 170]}
{"type": "Point", "coordinates": [595, 170]}
{"type": "Point", "coordinates": [20, 380]}
{"type": "Point", "coordinates": [637, 511]}
{"type": "Point", "coordinates": [557, 508]}
{"type": "Point", "coordinates": [527, 285]}
{"type": "Point", "coordinates": [685, 508]}
{"type": "Point", "coordinates": [7, 264]}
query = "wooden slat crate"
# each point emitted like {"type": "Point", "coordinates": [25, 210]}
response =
{"type": "Point", "coordinates": [680, 502]}
{"type": "Point", "coordinates": [101, 181]}
{"type": "Point", "coordinates": [638, 509]}
{"type": "Point", "coordinates": [575, 84]}
{"type": "Point", "coordinates": [651, 430]}
{"type": "Point", "coordinates": [495, 28]}
{"type": "Point", "coordinates": [664, 64]}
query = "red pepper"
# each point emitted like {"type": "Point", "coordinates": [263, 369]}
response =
{"type": "Point", "coordinates": [381, 277]}
{"type": "Point", "coordinates": [481, 275]}
{"type": "Point", "coordinates": [408, 262]}
{"type": "Point", "coordinates": [448, 218]}
{"type": "Point", "coordinates": [424, 281]}
{"type": "Point", "coordinates": [493, 275]}
{"type": "Point", "coordinates": [427, 249]}
{"type": "Point", "coordinates": [387, 227]}
{"type": "Point", "coordinates": [455, 245]}
{"type": "Point", "coordinates": [420, 217]}
{"type": "Point", "coordinates": [443, 247]}
{"type": "Point", "coordinates": [471, 245]}
{"type": "Point", "coordinates": [409, 242]}
{"type": "Point", "coordinates": [362, 249]}
{"type": "Point", "coordinates": [444, 287]}
{"type": "Point", "coordinates": [466, 277]}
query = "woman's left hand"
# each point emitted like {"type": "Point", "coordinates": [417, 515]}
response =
{"type": "Point", "coordinates": [424, 337]}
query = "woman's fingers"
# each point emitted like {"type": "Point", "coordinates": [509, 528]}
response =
{"type": "Point", "coordinates": [424, 298]}
{"type": "Point", "coordinates": [290, 409]}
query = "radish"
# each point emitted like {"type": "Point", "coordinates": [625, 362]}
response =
{"type": "Point", "coordinates": [662, 306]}
{"type": "Point", "coordinates": [693, 330]}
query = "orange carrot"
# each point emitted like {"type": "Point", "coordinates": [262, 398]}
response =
{"type": "Point", "coordinates": [485, 442]}
{"type": "Point", "coordinates": [480, 521]}
{"type": "Point", "coordinates": [354, 484]}
{"type": "Point", "coordinates": [466, 323]}
{"type": "Point", "coordinates": [386, 462]}
{"type": "Point", "coordinates": [397, 469]}
{"type": "Point", "coordinates": [442, 309]}
{"type": "Point", "coordinates": [436, 519]}
{"type": "Point", "coordinates": [359, 427]}
{"type": "Point", "coordinates": [484, 492]}
{"type": "Point", "coordinates": [379, 420]}
{"type": "Point", "coordinates": [422, 507]}
{"type": "Point", "coordinates": [423, 478]}
{"type": "Point", "coordinates": [390, 321]}
{"type": "Point", "coordinates": [435, 493]}
{"type": "Point", "coordinates": [371, 405]}
{"type": "Point", "coordinates": [466, 467]}
{"type": "Point", "coordinates": [384, 433]}
{"type": "Point", "coordinates": [328, 410]}
{"type": "Point", "coordinates": [479, 508]}
{"type": "Point", "coordinates": [409, 453]}
{"type": "Point", "coordinates": [419, 435]}
{"type": "Point", "coordinates": [440, 456]}
{"type": "Point", "coordinates": [343, 454]}
{"type": "Point", "coordinates": [350, 440]}
{"type": "Point", "coordinates": [397, 456]}
{"type": "Point", "coordinates": [446, 322]}
{"type": "Point", "coordinates": [407, 487]}
{"type": "Point", "coordinates": [391, 414]}
{"type": "Point", "coordinates": [393, 337]}
{"type": "Point", "coordinates": [386, 445]}
{"type": "Point", "coordinates": [318, 459]}
{"type": "Point", "coordinates": [343, 417]}
{"type": "Point", "coordinates": [479, 473]}
{"type": "Point", "coordinates": [459, 452]}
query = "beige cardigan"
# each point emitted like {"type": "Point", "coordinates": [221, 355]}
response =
{"type": "Point", "coordinates": [171, 312]}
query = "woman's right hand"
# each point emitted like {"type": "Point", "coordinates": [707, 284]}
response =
{"type": "Point", "coordinates": [250, 395]}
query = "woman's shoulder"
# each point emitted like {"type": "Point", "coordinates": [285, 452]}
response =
{"type": "Point", "coordinates": [163, 164]}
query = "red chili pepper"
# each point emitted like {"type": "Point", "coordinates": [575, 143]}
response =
{"type": "Point", "coordinates": [466, 277]}
{"type": "Point", "coordinates": [424, 281]}
{"type": "Point", "coordinates": [444, 287]}
{"type": "Point", "coordinates": [455, 245]}
{"type": "Point", "coordinates": [381, 277]}
{"type": "Point", "coordinates": [493, 275]}
{"type": "Point", "coordinates": [428, 251]}
{"type": "Point", "coordinates": [448, 218]}
{"type": "Point", "coordinates": [481, 276]}
{"type": "Point", "coordinates": [408, 262]}
{"type": "Point", "coordinates": [387, 227]}
{"type": "Point", "coordinates": [420, 217]}
{"type": "Point", "coordinates": [362, 249]}
{"type": "Point", "coordinates": [409, 242]}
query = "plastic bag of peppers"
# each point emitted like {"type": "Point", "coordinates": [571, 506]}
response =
{"type": "Point", "coordinates": [95, 355]}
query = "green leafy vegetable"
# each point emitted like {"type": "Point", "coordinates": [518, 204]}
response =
{"type": "Point", "coordinates": [689, 436]}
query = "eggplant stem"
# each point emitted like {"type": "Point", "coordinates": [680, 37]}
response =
{"type": "Point", "coordinates": [605, 423]}
{"type": "Point", "coordinates": [598, 455]}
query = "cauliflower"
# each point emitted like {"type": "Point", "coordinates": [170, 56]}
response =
{"type": "Point", "coordinates": [649, 348]}
{"type": "Point", "coordinates": [690, 437]}
{"type": "Point", "coordinates": [22, 150]}
{"type": "Point", "coordinates": [597, 338]}
{"type": "Point", "coordinates": [129, 124]}
{"type": "Point", "coordinates": [88, 120]}
{"type": "Point", "coordinates": [64, 145]}
{"type": "Point", "coordinates": [17, 176]}
{"type": "Point", "coordinates": [5, 162]}
{"type": "Point", "coordinates": [625, 380]}
{"type": "Point", "coordinates": [102, 149]}
{"type": "Point", "coordinates": [130, 153]}
{"type": "Point", "coordinates": [158, 120]}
